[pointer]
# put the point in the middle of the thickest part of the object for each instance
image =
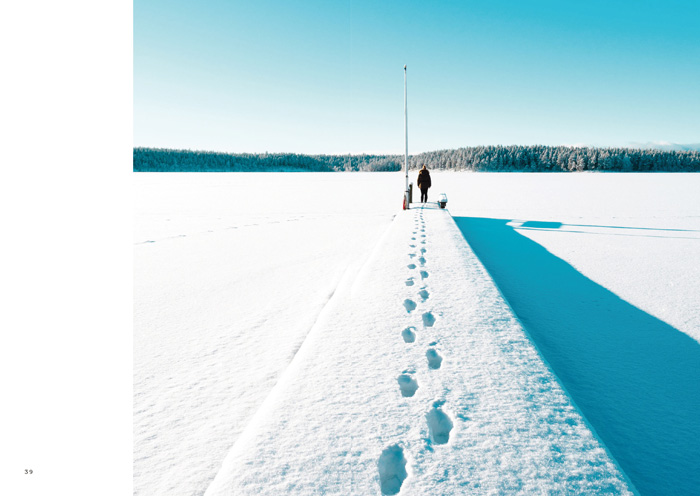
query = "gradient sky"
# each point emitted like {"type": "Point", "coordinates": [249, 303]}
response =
{"type": "Point", "coordinates": [327, 76]}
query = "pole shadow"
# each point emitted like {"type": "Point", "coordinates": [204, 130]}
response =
{"type": "Point", "coordinates": [635, 378]}
{"type": "Point", "coordinates": [645, 232]}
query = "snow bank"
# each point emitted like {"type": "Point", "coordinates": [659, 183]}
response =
{"type": "Point", "coordinates": [465, 406]}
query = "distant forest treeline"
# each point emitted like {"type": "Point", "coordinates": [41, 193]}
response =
{"type": "Point", "coordinates": [478, 158]}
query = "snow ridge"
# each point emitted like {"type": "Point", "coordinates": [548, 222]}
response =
{"type": "Point", "coordinates": [256, 420]}
{"type": "Point", "coordinates": [449, 397]}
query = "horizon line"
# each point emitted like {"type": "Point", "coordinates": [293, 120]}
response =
{"type": "Point", "coordinates": [660, 146]}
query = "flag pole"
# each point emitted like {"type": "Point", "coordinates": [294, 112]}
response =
{"type": "Point", "coordinates": [405, 126]}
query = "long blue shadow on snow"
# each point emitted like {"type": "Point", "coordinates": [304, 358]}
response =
{"type": "Point", "coordinates": [635, 378]}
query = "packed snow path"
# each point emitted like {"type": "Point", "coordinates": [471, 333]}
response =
{"type": "Point", "coordinates": [416, 378]}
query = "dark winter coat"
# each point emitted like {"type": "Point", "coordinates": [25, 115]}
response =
{"type": "Point", "coordinates": [424, 180]}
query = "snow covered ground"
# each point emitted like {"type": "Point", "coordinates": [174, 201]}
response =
{"type": "Point", "coordinates": [231, 272]}
{"type": "Point", "coordinates": [290, 336]}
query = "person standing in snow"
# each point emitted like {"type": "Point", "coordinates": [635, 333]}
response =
{"type": "Point", "coordinates": [423, 183]}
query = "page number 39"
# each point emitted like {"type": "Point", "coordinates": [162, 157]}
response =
{"type": "Point", "coordinates": [28, 471]}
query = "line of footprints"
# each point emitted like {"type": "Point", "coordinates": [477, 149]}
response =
{"type": "Point", "coordinates": [392, 462]}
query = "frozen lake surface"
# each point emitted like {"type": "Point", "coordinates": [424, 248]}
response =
{"type": "Point", "coordinates": [290, 335]}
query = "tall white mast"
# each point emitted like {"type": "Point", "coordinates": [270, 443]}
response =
{"type": "Point", "coordinates": [405, 125]}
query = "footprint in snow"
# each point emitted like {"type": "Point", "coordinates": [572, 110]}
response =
{"type": "Point", "coordinates": [411, 266]}
{"type": "Point", "coordinates": [423, 293]}
{"type": "Point", "coordinates": [439, 424]}
{"type": "Point", "coordinates": [434, 358]}
{"type": "Point", "coordinates": [409, 281]}
{"type": "Point", "coordinates": [422, 250]}
{"type": "Point", "coordinates": [422, 260]}
{"type": "Point", "coordinates": [410, 305]}
{"type": "Point", "coordinates": [423, 274]}
{"type": "Point", "coordinates": [392, 469]}
{"type": "Point", "coordinates": [407, 384]}
{"type": "Point", "coordinates": [411, 255]}
{"type": "Point", "coordinates": [408, 335]}
{"type": "Point", "coordinates": [428, 319]}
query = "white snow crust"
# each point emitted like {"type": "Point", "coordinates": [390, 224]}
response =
{"type": "Point", "coordinates": [231, 272]}
{"type": "Point", "coordinates": [636, 234]}
{"type": "Point", "coordinates": [291, 337]}
{"type": "Point", "coordinates": [490, 419]}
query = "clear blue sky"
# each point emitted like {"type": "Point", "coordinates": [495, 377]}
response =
{"type": "Point", "coordinates": [327, 76]}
